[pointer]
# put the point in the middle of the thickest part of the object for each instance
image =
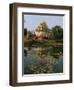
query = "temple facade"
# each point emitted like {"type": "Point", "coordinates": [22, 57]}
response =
{"type": "Point", "coordinates": [41, 33]}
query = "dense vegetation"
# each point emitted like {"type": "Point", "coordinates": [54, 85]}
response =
{"type": "Point", "coordinates": [45, 51]}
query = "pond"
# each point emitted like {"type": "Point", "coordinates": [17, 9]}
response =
{"type": "Point", "coordinates": [39, 60]}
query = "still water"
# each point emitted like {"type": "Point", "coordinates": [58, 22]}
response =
{"type": "Point", "coordinates": [39, 60]}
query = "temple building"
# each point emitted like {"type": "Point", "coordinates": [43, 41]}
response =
{"type": "Point", "coordinates": [40, 32]}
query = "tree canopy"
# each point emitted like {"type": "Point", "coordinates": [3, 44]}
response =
{"type": "Point", "coordinates": [57, 32]}
{"type": "Point", "coordinates": [42, 27]}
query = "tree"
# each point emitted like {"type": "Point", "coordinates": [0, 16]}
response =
{"type": "Point", "coordinates": [57, 33]}
{"type": "Point", "coordinates": [29, 35]}
{"type": "Point", "coordinates": [25, 31]}
{"type": "Point", "coordinates": [43, 27]}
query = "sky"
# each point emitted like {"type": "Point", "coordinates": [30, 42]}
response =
{"type": "Point", "coordinates": [31, 22]}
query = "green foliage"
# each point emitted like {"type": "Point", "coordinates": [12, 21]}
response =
{"type": "Point", "coordinates": [28, 43]}
{"type": "Point", "coordinates": [57, 32]}
{"type": "Point", "coordinates": [45, 52]}
{"type": "Point", "coordinates": [42, 27]}
{"type": "Point", "coordinates": [25, 31]}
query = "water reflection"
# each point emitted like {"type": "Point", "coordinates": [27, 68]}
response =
{"type": "Point", "coordinates": [43, 60]}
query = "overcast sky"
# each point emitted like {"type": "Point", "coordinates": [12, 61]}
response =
{"type": "Point", "coordinates": [32, 21]}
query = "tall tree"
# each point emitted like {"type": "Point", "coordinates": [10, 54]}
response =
{"type": "Point", "coordinates": [25, 31]}
{"type": "Point", "coordinates": [57, 32]}
{"type": "Point", "coordinates": [43, 27]}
